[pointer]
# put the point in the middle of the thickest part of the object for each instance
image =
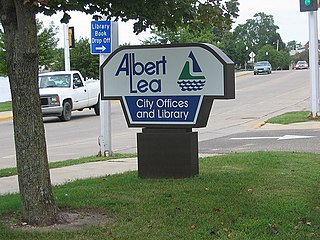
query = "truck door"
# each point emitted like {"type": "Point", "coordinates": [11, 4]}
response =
{"type": "Point", "coordinates": [80, 92]}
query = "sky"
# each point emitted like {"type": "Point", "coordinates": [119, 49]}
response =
{"type": "Point", "coordinates": [293, 24]}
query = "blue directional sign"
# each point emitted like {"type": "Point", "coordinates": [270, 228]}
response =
{"type": "Point", "coordinates": [101, 37]}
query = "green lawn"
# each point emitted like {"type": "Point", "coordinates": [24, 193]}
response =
{"type": "Point", "coordinates": [290, 117]}
{"type": "Point", "coordinates": [263, 195]}
{"type": "Point", "coordinates": [5, 106]}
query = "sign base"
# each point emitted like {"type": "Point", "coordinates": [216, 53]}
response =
{"type": "Point", "coordinates": [167, 153]}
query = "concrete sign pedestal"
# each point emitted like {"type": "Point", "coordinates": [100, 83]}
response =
{"type": "Point", "coordinates": [167, 153]}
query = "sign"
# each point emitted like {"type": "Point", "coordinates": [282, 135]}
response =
{"type": "Point", "coordinates": [101, 37]}
{"type": "Point", "coordinates": [172, 85]}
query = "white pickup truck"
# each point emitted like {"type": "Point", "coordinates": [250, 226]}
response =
{"type": "Point", "coordinates": [64, 91]}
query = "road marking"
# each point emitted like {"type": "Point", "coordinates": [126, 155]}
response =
{"type": "Point", "coordinates": [285, 137]}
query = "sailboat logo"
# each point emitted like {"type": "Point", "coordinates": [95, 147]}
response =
{"type": "Point", "coordinates": [191, 81]}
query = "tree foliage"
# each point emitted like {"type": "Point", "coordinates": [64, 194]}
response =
{"type": "Point", "coordinates": [47, 43]}
{"type": "Point", "coordinates": [254, 35]}
{"type": "Point", "coordinates": [259, 31]}
{"type": "Point", "coordinates": [147, 13]}
{"type": "Point", "coordinates": [3, 65]}
{"type": "Point", "coordinates": [278, 59]}
{"type": "Point", "coordinates": [80, 59]}
{"type": "Point", "coordinates": [212, 20]}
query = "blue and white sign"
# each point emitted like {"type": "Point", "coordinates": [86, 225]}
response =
{"type": "Point", "coordinates": [167, 84]}
{"type": "Point", "coordinates": [101, 37]}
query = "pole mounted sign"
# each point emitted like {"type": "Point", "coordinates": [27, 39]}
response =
{"type": "Point", "coordinates": [170, 85]}
{"type": "Point", "coordinates": [101, 37]}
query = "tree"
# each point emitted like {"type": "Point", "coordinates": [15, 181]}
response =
{"type": "Point", "coordinates": [259, 31]}
{"type": "Point", "coordinates": [3, 70]}
{"type": "Point", "coordinates": [278, 59]}
{"type": "Point", "coordinates": [292, 45]}
{"type": "Point", "coordinates": [47, 44]}
{"type": "Point", "coordinates": [18, 18]}
{"type": "Point", "coordinates": [19, 23]}
{"type": "Point", "coordinates": [80, 59]}
{"type": "Point", "coordinates": [213, 19]}
{"type": "Point", "coordinates": [253, 35]}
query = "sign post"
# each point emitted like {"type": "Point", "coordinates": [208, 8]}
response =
{"type": "Point", "coordinates": [313, 61]}
{"type": "Point", "coordinates": [104, 39]}
{"type": "Point", "coordinates": [311, 6]}
{"type": "Point", "coordinates": [167, 90]}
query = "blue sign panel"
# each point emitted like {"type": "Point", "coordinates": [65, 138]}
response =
{"type": "Point", "coordinates": [101, 37]}
{"type": "Point", "coordinates": [162, 109]}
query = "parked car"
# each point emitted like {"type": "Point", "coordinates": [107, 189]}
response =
{"type": "Point", "coordinates": [65, 91]}
{"type": "Point", "coordinates": [302, 65]}
{"type": "Point", "coordinates": [262, 67]}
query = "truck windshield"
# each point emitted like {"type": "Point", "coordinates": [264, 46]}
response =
{"type": "Point", "coordinates": [49, 81]}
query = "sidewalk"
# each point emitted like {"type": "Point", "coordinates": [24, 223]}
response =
{"type": "Point", "coordinates": [81, 171]}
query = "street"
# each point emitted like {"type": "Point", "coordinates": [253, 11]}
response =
{"type": "Point", "coordinates": [257, 99]}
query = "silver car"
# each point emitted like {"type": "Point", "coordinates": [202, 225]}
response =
{"type": "Point", "coordinates": [262, 67]}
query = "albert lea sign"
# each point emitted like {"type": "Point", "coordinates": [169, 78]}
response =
{"type": "Point", "coordinates": [167, 85]}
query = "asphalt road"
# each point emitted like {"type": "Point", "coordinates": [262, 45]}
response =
{"type": "Point", "coordinates": [257, 99]}
{"type": "Point", "coordinates": [292, 140]}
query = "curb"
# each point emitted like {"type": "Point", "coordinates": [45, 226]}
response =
{"type": "Point", "coordinates": [6, 118]}
{"type": "Point", "coordinates": [259, 125]}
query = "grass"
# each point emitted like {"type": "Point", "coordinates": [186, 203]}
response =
{"type": "Point", "coordinates": [263, 195]}
{"type": "Point", "coordinates": [6, 172]}
{"type": "Point", "coordinates": [290, 117]}
{"type": "Point", "coordinates": [5, 106]}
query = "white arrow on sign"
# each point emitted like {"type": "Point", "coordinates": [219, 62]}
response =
{"type": "Point", "coordinates": [285, 137]}
{"type": "Point", "coordinates": [102, 48]}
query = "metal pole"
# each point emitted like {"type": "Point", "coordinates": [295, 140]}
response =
{"type": "Point", "coordinates": [66, 47]}
{"type": "Point", "coordinates": [105, 105]}
{"type": "Point", "coordinates": [313, 61]}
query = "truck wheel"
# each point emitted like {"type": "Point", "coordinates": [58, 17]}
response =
{"type": "Point", "coordinates": [66, 112]}
{"type": "Point", "coordinates": [97, 108]}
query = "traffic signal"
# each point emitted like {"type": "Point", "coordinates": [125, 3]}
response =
{"type": "Point", "coordinates": [71, 37]}
{"type": "Point", "coordinates": [308, 5]}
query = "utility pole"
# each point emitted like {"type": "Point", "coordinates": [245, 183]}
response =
{"type": "Point", "coordinates": [313, 61]}
{"type": "Point", "coordinates": [311, 6]}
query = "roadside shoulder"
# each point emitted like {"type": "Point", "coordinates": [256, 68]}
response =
{"type": "Point", "coordinates": [5, 115]}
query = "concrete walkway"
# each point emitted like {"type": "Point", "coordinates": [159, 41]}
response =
{"type": "Point", "coordinates": [80, 171]}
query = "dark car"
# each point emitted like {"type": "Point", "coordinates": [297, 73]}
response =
{"type": "Point", "coordinates": [302, 65]}
{"type": "Point", "coordinates": [262, 67]}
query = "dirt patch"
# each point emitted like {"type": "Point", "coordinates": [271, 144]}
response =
{"type": "Point", "coordinates": [69, 220]}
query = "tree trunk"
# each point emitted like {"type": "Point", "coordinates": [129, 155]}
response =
{"type": "Point", "coordinates": [19, 23]}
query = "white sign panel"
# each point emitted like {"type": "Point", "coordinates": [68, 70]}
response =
{"type": "Point", "coordinates": [166, 84]}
